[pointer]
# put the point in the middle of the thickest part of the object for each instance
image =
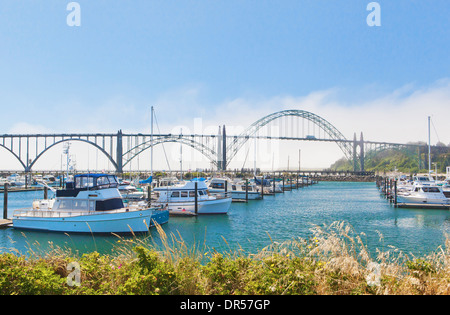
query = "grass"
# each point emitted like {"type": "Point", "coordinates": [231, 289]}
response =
{"type": "Point", "coordinates": [333, 261]}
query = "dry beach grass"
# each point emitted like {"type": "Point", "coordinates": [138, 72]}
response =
{"type": "Point", "coordinates": [333, 261]}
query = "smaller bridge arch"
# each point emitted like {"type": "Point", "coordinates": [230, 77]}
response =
{"type": "Point", "coordinates": [15, 155]}
{"type": "Point", "coordinates": [72, 139]}
{"type": "Point", "coordinates": [185, 140]}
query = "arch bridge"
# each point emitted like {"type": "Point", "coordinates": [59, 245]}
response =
{"type": "Point", "coordinates": [220, 149]}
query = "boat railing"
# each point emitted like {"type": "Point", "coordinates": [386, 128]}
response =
{"type": "Point", "coordinates": [38, 213]}
{"type": "Point", "coordinates": [50, 213]}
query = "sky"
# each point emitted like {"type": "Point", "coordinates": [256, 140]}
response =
{"type": "Point", "coordinates": [224, 62]}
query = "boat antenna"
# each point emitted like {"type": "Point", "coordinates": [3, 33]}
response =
{"type": "Point", "coordinates": [151, 141]}
{"type": "Point", "coordinates": [429, 146]}
{"type": "Point", "coordinates": [181, 156]}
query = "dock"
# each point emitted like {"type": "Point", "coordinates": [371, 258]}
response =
{"type": "Point", "coordinates": [13, 189]}
{"type": "Point", "coordinates": [5, 223]}
{"type": "Point", "coordinates": [181, 213]}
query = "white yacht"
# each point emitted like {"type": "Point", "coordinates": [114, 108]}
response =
{"type": "Point", "coordinates": [90, 204]}
{"type": "Point", "coordinates": [181, 198]}
{"type": "Point", "coordinates": [423, 194]}
{"type": "Point", "coordinates": [237, 189]}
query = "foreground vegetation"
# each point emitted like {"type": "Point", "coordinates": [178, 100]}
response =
{"type": "Point", "coordinates": [333, 261]}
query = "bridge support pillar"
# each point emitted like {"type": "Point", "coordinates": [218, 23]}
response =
{"type": "Point", "coordinates": [355, 159]}
{"type": "Point", "coordinates": [119, 159]}
{"type": "Point", "coordinates": [224, 149]}
{"type": "Point", "coordinates": [361, 154]}
{"type": "Point", "coordinates": [360, 143]}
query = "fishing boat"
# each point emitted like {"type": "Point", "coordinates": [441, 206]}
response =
{"type": "Point", "coordinates": [91, 203]}
{"type": "Point", "coordinates": [181, 198]}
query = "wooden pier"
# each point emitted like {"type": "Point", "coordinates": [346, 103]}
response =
{"type": "Point", "coordinates": [21, 189]}
{"type": "Point", "coordinates": [181, 213]}
{"type": "Point", "coordinates": [5, 223]}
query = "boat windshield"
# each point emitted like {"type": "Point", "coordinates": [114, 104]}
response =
{"type": "Point", "coordinates": [95, 181]}
{"type": "Point", "coordinates": [431, 189]}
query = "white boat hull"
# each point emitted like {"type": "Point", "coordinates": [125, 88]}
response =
{"type": "Point", "coordinates": [119, 221]}
{"type": "Point", "coordinates": [217, 206]}
{"type": "Point", "coordinates": [238, 194]}
{"type": "Point", "coordinates": [420, 200]}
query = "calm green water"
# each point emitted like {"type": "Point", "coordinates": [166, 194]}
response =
{"type": "Point", "coordinates": [283, 217]}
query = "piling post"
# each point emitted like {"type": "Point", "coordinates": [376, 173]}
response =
{"type": "Point", "coordinates": [395, 193]}
{"type": "Point", "coordinates": [196, 196]}
{"type": "Point", "coordinates": [385, 186]}
{"type": "Point", "coordinates": [282, 188]}
{"type": "Point", "coordinates": [149, 194]}
{"type": "Point", "coordinates": [246, 190]}
{"type": "Point", "coordinates": [5, 201]}
{"type": "Point", "coordinates": [273, 183]}
{"type": "Point", "coordinates": [262, 187]}
{"type": "Point", "coordinates": [45, 192]}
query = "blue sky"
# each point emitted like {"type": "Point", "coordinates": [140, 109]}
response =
{"type": "Point", "coordinates": [214, 58]}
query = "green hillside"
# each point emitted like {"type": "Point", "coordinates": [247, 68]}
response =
{"type": "Point", "coordinates": [402, 160]}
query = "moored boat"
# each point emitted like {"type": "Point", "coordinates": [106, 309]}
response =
{"type": "Point", "coordinates": [91, 204]}
{"type": "Point", "coordinates": [182, 198]}
{"type": "Point", "coordinates": [238, 189]}
{"type": "Point", "coordinates": [423, 194]}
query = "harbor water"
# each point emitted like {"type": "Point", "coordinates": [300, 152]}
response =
{"type": "Point", "coordinates": [252, 226]}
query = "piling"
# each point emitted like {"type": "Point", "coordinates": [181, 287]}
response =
{"type": "Point", "coordinates": [45, 193]}
{"type": "Point", "coordinates": [395, 193]}
{"type": "Point", "coordinates": [262, 188]}
{"type": "Point", "coordinates": [246, 190]}
{"type": "Point", "coordinates": [196, 196]}
{"type": "Point", "coordinates": [149, 194]}
{"type": "Point", "coordinates": [5, 201]}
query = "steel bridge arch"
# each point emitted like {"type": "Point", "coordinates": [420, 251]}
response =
{"type": "Point", "coordinates": [209, 153]}
{"type": "Point", "coordinates": [72, 139]}
{"type": "Point", "coordinates": [15, 155]}
{"type": "Point", "coordinates": [326, 126]}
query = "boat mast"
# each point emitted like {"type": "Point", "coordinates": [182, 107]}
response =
{"type": "Point", "coordinates": [151, 141]}
{"type": "Point", "coordinates": [429, 147]}
{"type": "Point", "coordinates": [254, 158]}
{"type": "Point", "coordinates": [181, 156]}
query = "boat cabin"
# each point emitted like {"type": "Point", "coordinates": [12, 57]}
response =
{"type": "Point", "coordinates": [90, 192]}
{"type": "Point", "coordinates": [182, 192]}
{"type": "Point", "coordinates": [427, 189]}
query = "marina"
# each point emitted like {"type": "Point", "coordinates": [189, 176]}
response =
{"type": "Point", "coordinates": [280, 217]}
